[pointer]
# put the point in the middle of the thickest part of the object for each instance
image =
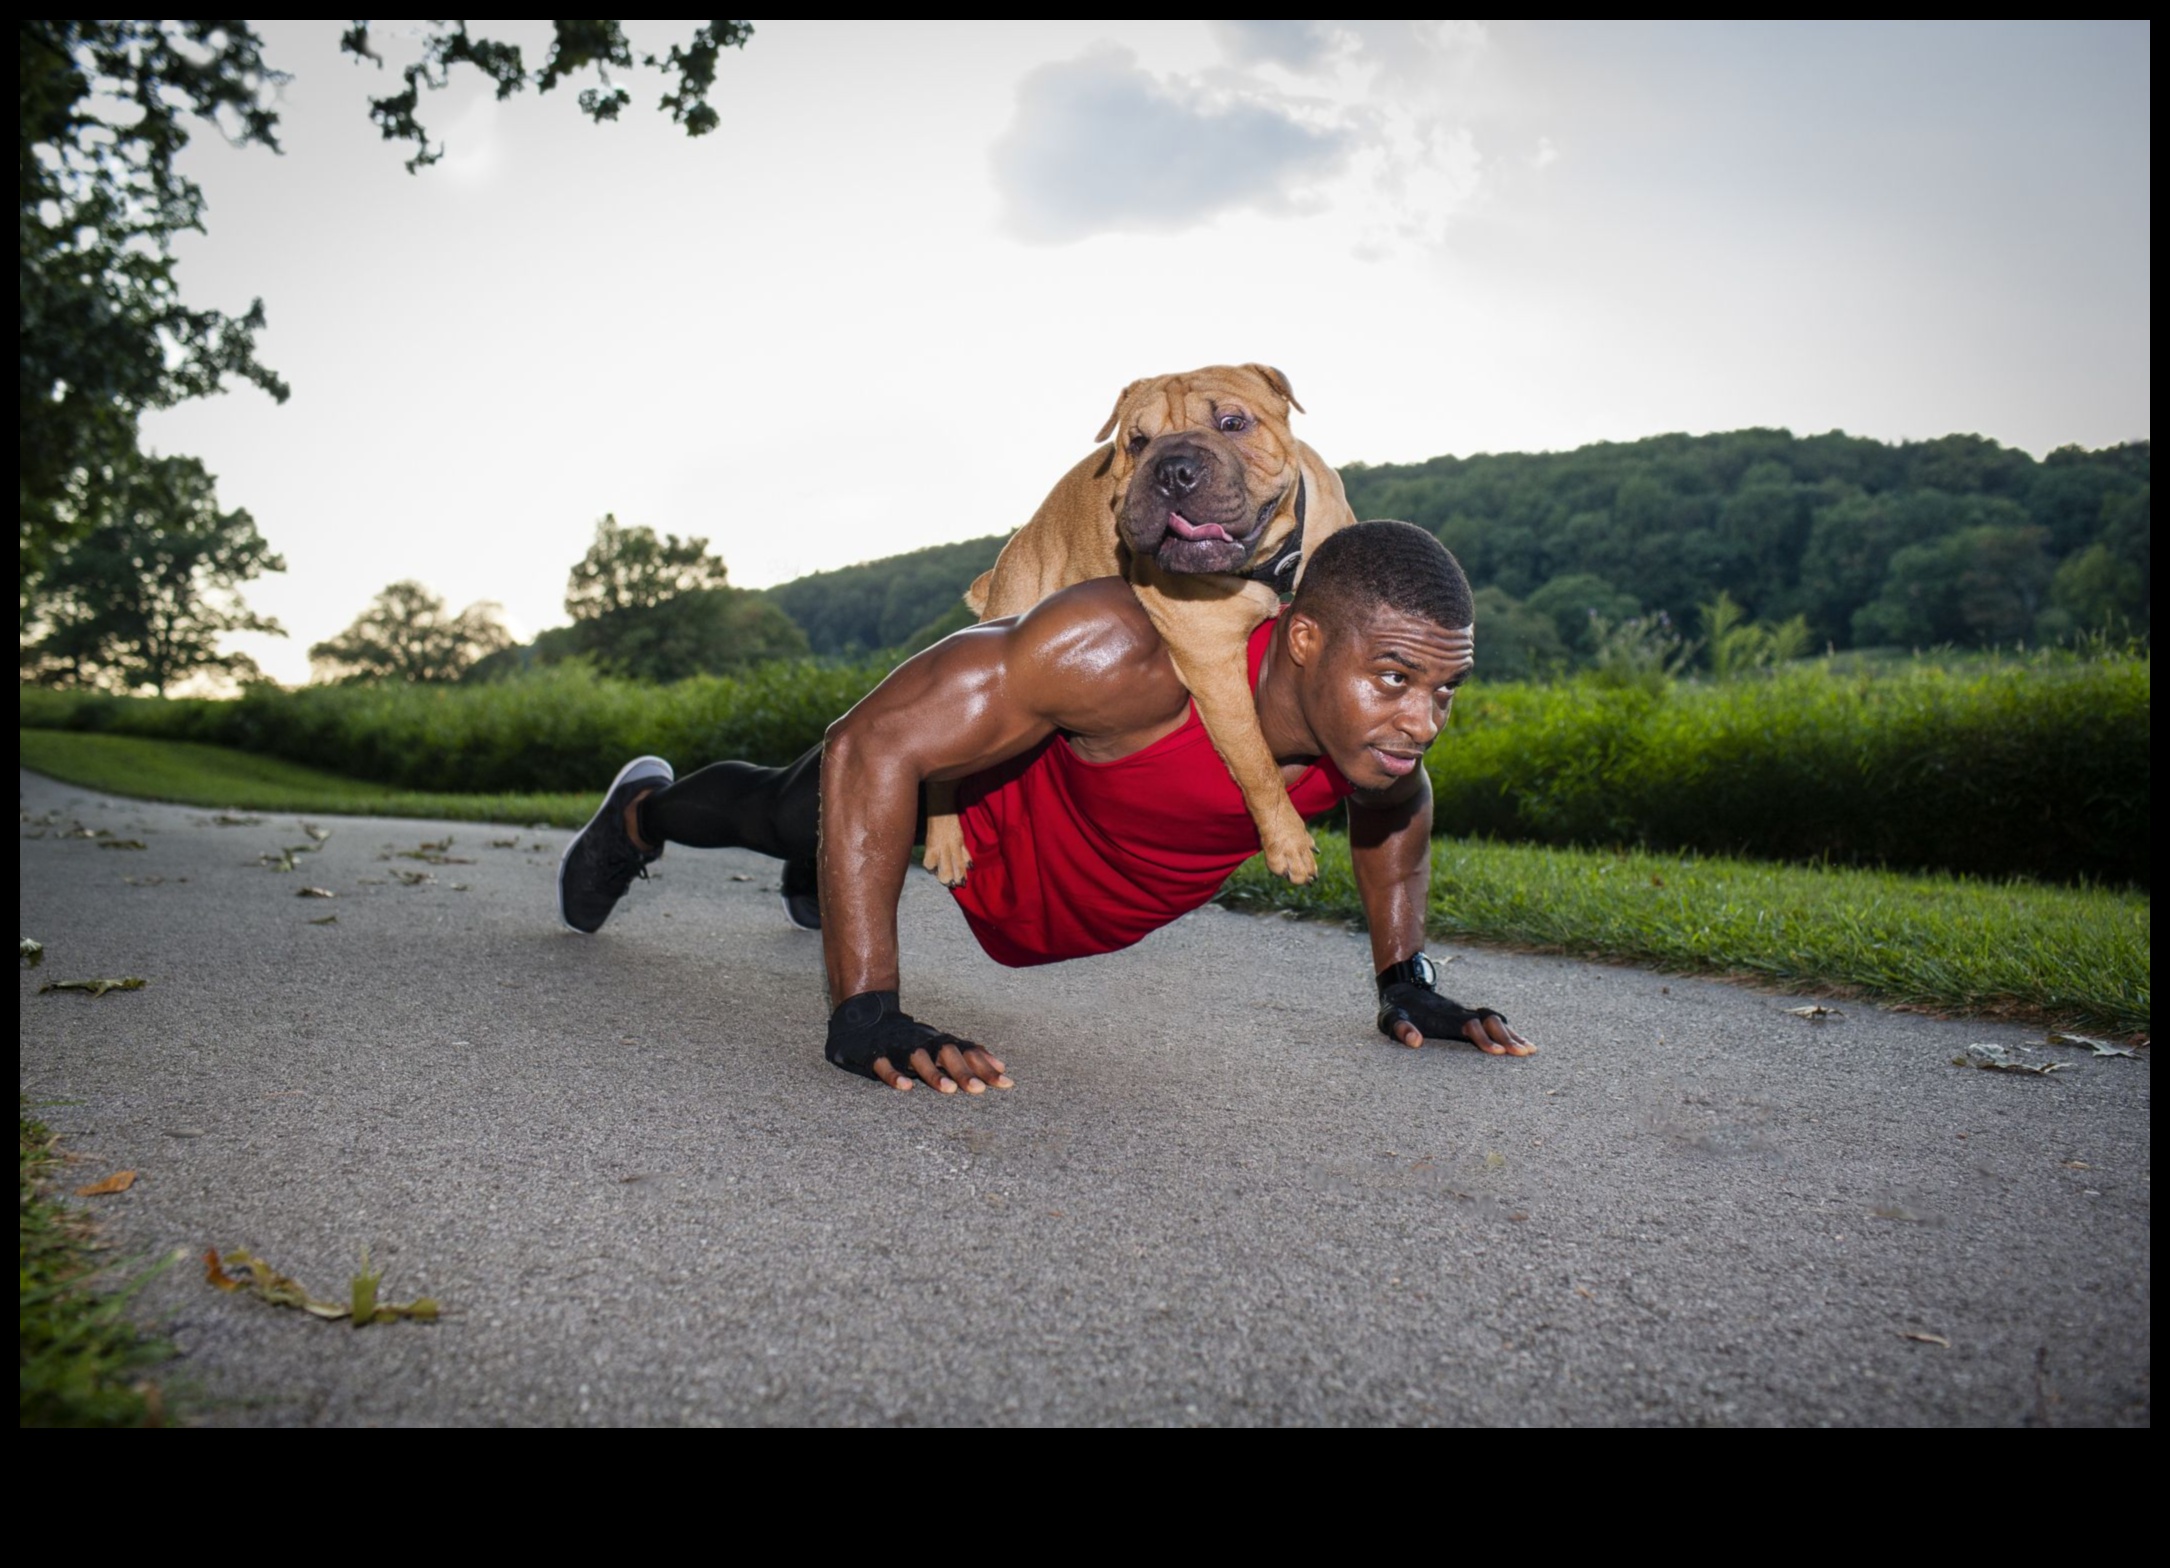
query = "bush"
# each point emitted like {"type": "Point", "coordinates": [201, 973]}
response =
{"type": "Point", "coordinates": [2035, 768]}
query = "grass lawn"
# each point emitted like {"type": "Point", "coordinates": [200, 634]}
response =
{"type": "Point", "coordinates": [2079, 957]}
{"type": "Point", "coordinates": [82, 1358]}
{"type": "Point", "coordinates": [191, 774]}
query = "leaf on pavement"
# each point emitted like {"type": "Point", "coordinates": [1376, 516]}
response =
{"type": "Point", "coordinates": [94, 987]}
{"type": "Point", "coordinates": [241, 1269]}
{"type": "Point", "coordinates": [314, 892]}
{"type": "Point", "coordinates": [31, 953]}
{"type": "Point", "coordinates": [1928, 1339]}
{"type": "Point", "coordinates": [1817, 1011]}
{"type": "Point", "coordinates": [235, 819]}
{"type": "Point", "coordinates": [315, 832]}
{"type": "Point", "coordinates": [281, 860]}
{"type": "Point", "coordinates": [413, 878]}
{"type": "Point", "coordinates": [325, 920]}
{"type": "Point", "coordinates": [2099, 1047]}
{"type": "Point", "coordinates": [1998, 1059]}
{"type": "Point", "coordinates": [122, 843]}
{"type": "Point", "coordinates": [119, 1181]}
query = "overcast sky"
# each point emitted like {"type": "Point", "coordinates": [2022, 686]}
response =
{"type": "Point", "coordinates": [892, 297]}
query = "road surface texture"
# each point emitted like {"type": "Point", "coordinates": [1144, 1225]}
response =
{"type": "Point", "coordinates": [1215, 1197]}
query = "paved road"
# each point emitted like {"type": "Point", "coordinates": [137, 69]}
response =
{"type": "Point", "coordinates": [1216, 1196]}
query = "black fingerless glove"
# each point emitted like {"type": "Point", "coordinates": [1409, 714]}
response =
{"type": "Point", "coordinates": [1436, 1016]}
{"type": "Point", "coordinates": [870, 1026]}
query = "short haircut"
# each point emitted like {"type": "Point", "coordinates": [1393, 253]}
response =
{"type": "Point", "coordinates": [1383, 563]}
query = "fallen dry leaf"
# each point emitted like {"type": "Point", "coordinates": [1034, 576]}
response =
{"type": "Point", "coordinates": [282, 860]}
{"type": "Point", "coordinates": [1816, 1010]}
{"type": "Point", "coordinates": [243, 1270]}
{"type": "Point", "coordinates": [122, 843]}
{"type": "Point", "coordinates": [2099, 1047]}
{"type": "Point", "coordinates": [1997, 1059]}
{"type": "Point", "coordinates": [119, 1181]}
{"type": "Point", "coordinates": [325, 920]}
{"type": "Point", "coordinates": [93, 987]}
{"type": "Point", "coordinates": [1928, 1339]}
{"type": "Point", "coordinates": [31, 953]}
{"type": "Point", "coordinates": [414, 878]}
{"type": "Point", "coordinates": [314, 892]}
{"type": "Point", "coordinates": [315, 832]}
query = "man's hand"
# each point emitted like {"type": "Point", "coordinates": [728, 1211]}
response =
{"type": "Point", "coordinates": [1413, 1013]}
{"type": "Point", "coordinates": [871, 1035]}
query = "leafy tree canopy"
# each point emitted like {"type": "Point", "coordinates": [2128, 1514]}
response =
{"type": "Point", "coordinates": [633, 568]}
{"type": "Point", "coordinates": [105, 109]}
{"type": "Point", "coordinates": [707, 631]}
{"type": "Point", "coordinates": [408, 634]}
{"type": "Point", "coordinates": [140, 597]}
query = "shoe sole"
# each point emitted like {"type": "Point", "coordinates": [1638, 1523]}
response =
{"type": "Point", "coordinates": [567, 853]}
{"type": "Point", "coordinates": [795, 922]}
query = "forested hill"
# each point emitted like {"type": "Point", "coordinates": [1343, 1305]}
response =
{"type": "Point", "coordinates": [1957, 540]}
{"type": "Point", "coordinates": [882, 604]}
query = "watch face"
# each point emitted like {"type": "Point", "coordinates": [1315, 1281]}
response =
{"type": "Point", "coordinates": [1427, 971]}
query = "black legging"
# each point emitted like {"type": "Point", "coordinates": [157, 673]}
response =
{"type": "Point", "coordinates": [736, 805]}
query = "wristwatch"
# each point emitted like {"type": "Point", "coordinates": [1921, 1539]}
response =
{"type": "Point", "coordinates": [1418, 970]}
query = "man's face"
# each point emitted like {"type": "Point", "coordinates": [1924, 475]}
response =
{"type": "Point", "coordinates": [1376, 695]}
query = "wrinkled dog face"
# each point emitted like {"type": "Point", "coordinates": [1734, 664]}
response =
{"type": "Point", "coordinates": [1205, 469]}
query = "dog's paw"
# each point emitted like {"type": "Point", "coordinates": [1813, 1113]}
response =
{"type": "Point", "coordinates": [948, 860]}
{"type": "Point", "coordinates": [1294, 857]}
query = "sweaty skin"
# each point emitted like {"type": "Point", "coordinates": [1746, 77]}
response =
{"type": "Point", "coordinates": [1087, 661]}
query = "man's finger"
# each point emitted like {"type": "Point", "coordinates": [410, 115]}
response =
{"type": "Point", "coordinates": [890, 1076]}
{"type": "Point", "coordinates": [1495, 1038]}
{"type": "Point", "coordinates": [1409, 1034]}
{"type": "Point", "coordinates": [987, 1068]}
{"type": "Point", "coordinates": [954, 1064]}
{"type": "Point", "coordinates": [930, 1074]}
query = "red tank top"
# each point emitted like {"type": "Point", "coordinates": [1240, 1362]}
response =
{"type": "Point", "coordinates": [1071, 857]}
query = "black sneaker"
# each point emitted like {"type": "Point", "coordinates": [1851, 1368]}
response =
{"type": "Point", "coordinates": [602, 861]}
{"type": "Point", "coordinates": [802, 894]}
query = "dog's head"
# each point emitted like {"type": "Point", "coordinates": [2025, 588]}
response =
{"type": "Point", "coordinates": [1204, 469]}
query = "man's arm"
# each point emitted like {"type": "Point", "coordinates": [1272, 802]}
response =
{"type": "Point", "coordinates": [1083, 660]}
{"type": "Point", "coordinates": [1390, 848]}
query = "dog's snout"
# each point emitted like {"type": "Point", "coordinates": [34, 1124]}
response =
{"type": "Point", "coordinates": [1178, 474]}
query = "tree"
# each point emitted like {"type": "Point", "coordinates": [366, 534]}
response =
{"type": "Point", "coordinates": [705, 631]}
{"type": "Point", "coordinates": [105, 109]}
{"type": "Point", "coordinates": [1981, 585]}
{"type": "Point", "coordinates": [142, 595]}
{"type": "Point", "coordinates": [631, 568]}
{"type": "Point", "coordinates": [406, 634]}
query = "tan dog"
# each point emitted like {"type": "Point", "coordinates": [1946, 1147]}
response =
{"type": "Point", "coordinates": [1203, 500]}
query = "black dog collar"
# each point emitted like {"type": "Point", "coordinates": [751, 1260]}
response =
{"type": "Point", "coordinates": [1291, 553]}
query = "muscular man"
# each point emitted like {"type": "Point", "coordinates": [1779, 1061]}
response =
{"type": "Point", "coordinates": [1092, 801]}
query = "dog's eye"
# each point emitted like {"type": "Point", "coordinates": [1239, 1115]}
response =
{"type": "Point", "coordinates": [1235, 424]}
{"type": "Point", "coordinates": [1139, 443]}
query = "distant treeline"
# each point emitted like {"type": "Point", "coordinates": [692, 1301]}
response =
{"type": "Point", "coordinates": [1957, 540]}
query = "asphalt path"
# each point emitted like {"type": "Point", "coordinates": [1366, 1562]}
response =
{"type": "Point", "coordinates": [1215, 1197]}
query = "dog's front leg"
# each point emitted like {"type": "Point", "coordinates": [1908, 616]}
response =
{"type": "Point", "coordinates": [1206, 623]}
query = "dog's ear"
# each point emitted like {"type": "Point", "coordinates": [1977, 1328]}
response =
{"type": "Point", "coordinates": [1115, 414]}
{"type": "Point", "coordinates": [1273, 378]}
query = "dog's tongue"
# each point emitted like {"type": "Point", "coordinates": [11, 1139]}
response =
{"type": "Point", "coordinates": [1190, 530]}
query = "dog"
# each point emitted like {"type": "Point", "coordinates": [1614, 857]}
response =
{"type": "Point", "coordinates": [1207, 503]}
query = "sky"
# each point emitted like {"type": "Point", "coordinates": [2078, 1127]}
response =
{"type": "Point", "coordinates": [892, 297]}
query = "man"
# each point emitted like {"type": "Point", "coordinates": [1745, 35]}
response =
{"type": "Point", "coordinates": [1092, 801]}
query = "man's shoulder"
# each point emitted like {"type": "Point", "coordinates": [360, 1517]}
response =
{"type": "Point", "coordinates": [1098, 621]}
{"type": "Point", "coordinates": [1095, 657]}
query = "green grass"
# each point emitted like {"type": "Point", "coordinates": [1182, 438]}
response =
{"type": "Point", "coordinates": [83, 1360]}
{"type": "Point", "coordinates": [2080, 957]}
{"type": "Point", "coordinates": [191, 774]}
{"type": "Point", "coordinates": [2072, 955]}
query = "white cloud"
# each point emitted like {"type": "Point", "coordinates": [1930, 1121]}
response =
{"type": "Point", "coordinates": [1368, 124]}
{"type": "Point", "coordinates": [1100, 144]}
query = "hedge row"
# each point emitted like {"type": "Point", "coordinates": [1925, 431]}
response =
{"type": "Point", "coordinates": [2024, 768]}
{"type": "Point", "coordinates": [558, 728]}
